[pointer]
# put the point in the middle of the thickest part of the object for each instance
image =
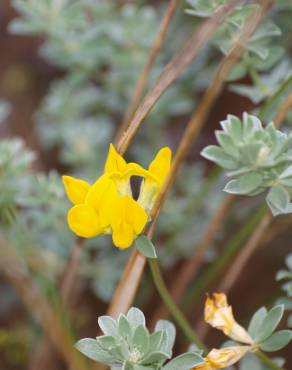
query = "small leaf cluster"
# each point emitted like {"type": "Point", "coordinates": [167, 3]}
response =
{"type": "Point", "coordinates": [259, 158]}
{"type": "Point", "coordinates": [287, 286]}
{"type": "Point", "coordinates": [127, 344]}
{"type": "Point", "coordinates": [262, 329]}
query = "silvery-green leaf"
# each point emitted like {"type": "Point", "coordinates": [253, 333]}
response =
{"type": "Point", "coordinates": [284, 274]}
{"type": "Point", "coordinates": [269, 323]}
{"type": "Point", "coordinates": [127, 366]}
{"type": "Point", "coordinates": [107, 325]}
{"type": "Point", "coordinates": [233, 127]}
{"type": "Point", "coordinates": [135, 317]}
{"type": "Point", "coordinates": [276, 341]}
{"type": "Point", "coordinates": [145, 247]}
{"type": "Point", "coordinates": [169, 331]}
{"type": "Point", "coordinates": [278, 199]}
{"type": "Point", "coordinates": [238, 72]}
{"type": "Point", "coordinates": [251, 124]}
{"type": "Point", "coordinates": [91, 349]}
{"type": "Point", "coordinates": [217, 155]}
{"type": "Point", "coordinates": [256, 321]}
{"type": "Point", "coordinates": [155, 340]}
{"type": "Point", "coordinates": [245, 184]}
{"type": "Point", "coordinates": [226, 142]}
{"type": "Point", "coordinates": [141, 338]}
{"type": "Point", "coordinates": [250, 362]}
{"type": "Point", "coordinates": [106, 341]}
{"type": "Point", "coordinates": [184, 362]}
{"type": "Point", "coordinates": [155, 357]}
{"type": "Point", "coordinates": [124, 328]}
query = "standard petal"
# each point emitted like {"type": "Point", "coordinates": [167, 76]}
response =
{"type": "Point", "coordinates": [123, 235]}
{"type": "Point", "coordinates": [115, 162]}
{"type": "Point", "coordinates": [84, 221]}
{"type": "Point", "coordinates": [76, 189]}
{"type": "Point", "coordinates": [160, 166]}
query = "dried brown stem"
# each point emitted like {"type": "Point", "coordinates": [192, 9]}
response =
{"type": "Point", "coordinates": [37, 305]}
{"type": "Point", "coordinates": [174, 69]}
{"type": "Point", "coordinates": [144, 76]}
{"type": "Point", "coordinates": [240, 261]}
{"type": "Point", "coordinates": [191, 132]}
{"type": "Point", "coordinates": [191, 266]}
{"type": "Point", "coordinates": [70, 271]}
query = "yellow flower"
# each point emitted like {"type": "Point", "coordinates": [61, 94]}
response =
{"type": "Point", "coordinates": [219, 315]}
{"type": "Point", "coordinates": [120, 171]}
{"type": "Point", "coordinates": [154, 179]}
{"type": "Point", "coordinates": [107, 206]}
{"type": "Point", "coordinates": [90, 215]}
{"type": "Point", "coordinates": [222, 358]}
{"type": "Point", "coordinates": [127, 221]}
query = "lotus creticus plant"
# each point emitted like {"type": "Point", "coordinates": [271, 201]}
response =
{"type": "Point", "coordinates": [108, 207]}
{"type": "Point", "coordinates": [257, 157]}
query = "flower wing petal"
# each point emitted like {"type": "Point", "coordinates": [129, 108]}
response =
{"type": "Point", "coordinates": [76, 189]}
{"type": "Point", "coordinates": [84, 221]}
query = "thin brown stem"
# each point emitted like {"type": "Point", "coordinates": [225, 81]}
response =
{"type": "Point", "coordinates": [174, 69]}
{"type": "Point", "coordinates": [192, 131]}
{"type": "Point", "coordinates": [144, 76]}
{"type": "Point", "coordinates": [70, 271]}
{"type": "Point", "coordinates": [37, 305]}
{"type": "Point", "coordinates": [190, 268]}
{"type": "Point", "coordinates": [248, 249]}
{"type": "Point", "coordinates": [43, 356]}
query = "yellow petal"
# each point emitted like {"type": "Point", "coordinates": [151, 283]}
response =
{"type": "Point", "coordinates": [219, 315]}
{"type": "Point", "coordinates": [123, 235]}
{"type": "Point", "coordinates": [127, 221]}
{"type": "Point", "coordinates": [224, 357]}
{"type": "Point", "coordinates": [205, 366]}
{"type": "Point", "coordinates": [135, 214]}
{"type": "Point", "coordinates": [160, 166]}
{"type": "Point", "coordinates": [115, 162]}
{"type": "Point", "coordinates": [84, 221]}
{"type": "Point", "coordinates": [76, 189]}
{"type": "Point", "coordinates": [134, 169]}
{"type": "Point", "coordinates": [102, 197]}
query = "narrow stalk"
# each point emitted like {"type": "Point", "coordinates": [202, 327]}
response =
{"type": "Point", "coordinates": [206, 279]}
{"type": "Point", "coordinates": [248, 249]}
{"type": "Point", "coordinates": [144, 76]}
{"type": "Point", "coordinates": [267, 361]}
{"type": "Point", "coordinates": [70, 271]}
{"type": "Point", "coordinates": [190, 267]}
{"type": "Point", "coordinates": [43, 357]}
{"type": "Point", "coordinates": [181, 60]}
{"type": "Point", "coordinates": [48, 317]}
{"type": "Point", "coordinates": [173, 308]}
{"type": "Point", "coordinates": [192, 131]}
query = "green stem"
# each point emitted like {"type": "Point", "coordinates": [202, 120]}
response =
{"type": "Point", "coordinates": [267, 361]}
{"type": "Point", "coordinates": [231, 248]}
{"type": "Point", "coordinates": [270, 102]}
{"type": "Point", "coordinates": [173, 308]}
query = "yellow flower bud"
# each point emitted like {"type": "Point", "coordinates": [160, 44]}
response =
{"type": "Point", "coordinates": [224, 357]}
{"type": "Point", "coordinates": [219, 315]}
